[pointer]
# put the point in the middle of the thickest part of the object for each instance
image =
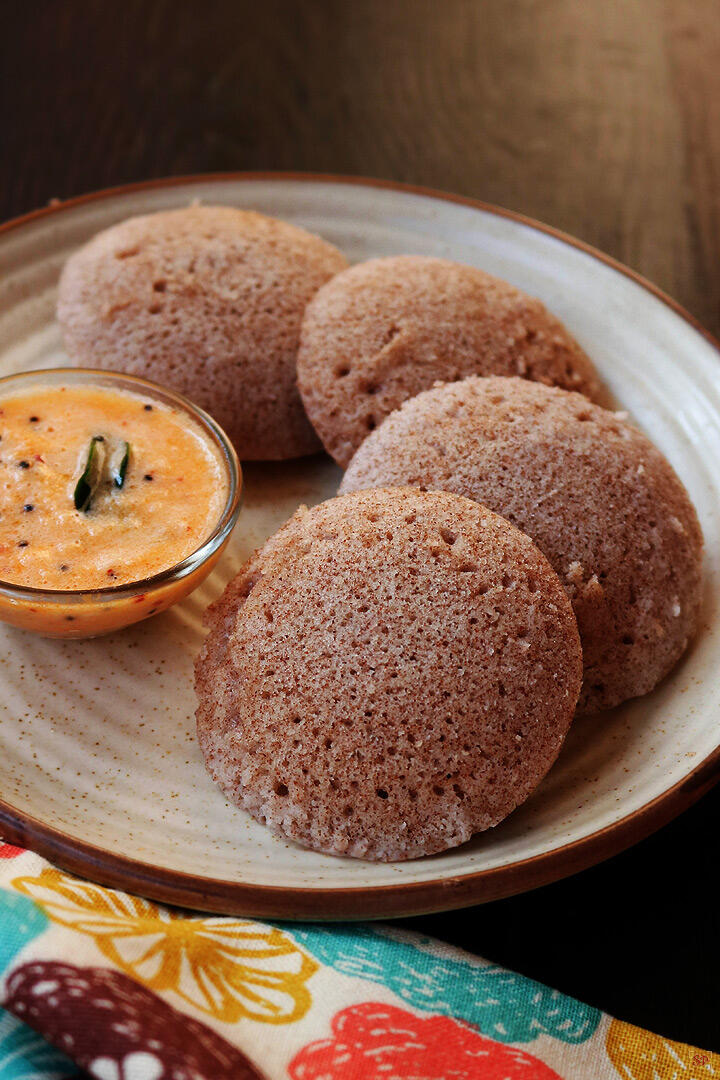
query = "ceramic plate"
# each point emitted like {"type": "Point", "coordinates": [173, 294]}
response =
{"type": "Point", "coordinates": [100, 770]}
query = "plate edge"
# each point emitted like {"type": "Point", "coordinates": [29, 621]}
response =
{"type": "Point", "coordinates": [379, 901]}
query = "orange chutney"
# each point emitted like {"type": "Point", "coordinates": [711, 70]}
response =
{"type": "Point", "coordinates": [101, 487]}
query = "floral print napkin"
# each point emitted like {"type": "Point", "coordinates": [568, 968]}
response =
{"type": "Point", "coordinates": [94, 979]}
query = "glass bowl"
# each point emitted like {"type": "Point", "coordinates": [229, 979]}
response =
{"type": "Point", "coordinates": [80, 613]}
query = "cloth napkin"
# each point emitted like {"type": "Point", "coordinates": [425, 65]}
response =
{"type": "Point", "coordinates": [95, 979]}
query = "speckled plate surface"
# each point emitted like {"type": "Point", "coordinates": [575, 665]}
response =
{"type": "Point", "coordinates": [99, 768]}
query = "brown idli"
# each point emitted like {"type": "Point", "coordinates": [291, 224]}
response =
{"type": "Point", "coordinates": [207, 300]}
{"type": "Point", "coordinates": [595, 495]}
{"type": "Point", "coordinates": [382, 331]}
{"type": "Point", "coordinates": [393, 672]}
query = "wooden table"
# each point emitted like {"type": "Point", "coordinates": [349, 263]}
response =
{"type": "Point", "coordinates": [600, 118]}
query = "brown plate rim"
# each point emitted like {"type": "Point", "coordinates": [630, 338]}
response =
{"type": "Point", "coordinates": [363, 902]}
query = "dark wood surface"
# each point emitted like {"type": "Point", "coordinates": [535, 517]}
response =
{"type": "Point", "coordinates": [600, 118]}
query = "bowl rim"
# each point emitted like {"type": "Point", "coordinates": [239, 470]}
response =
{"type": "Point", "coordinates": [176, 571]}
{"type": "Point", "coordinates": [191, 891]}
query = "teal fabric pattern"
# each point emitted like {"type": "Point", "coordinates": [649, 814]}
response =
{"type": "Point", "coordinates": [21, 921]}
{"type": "Point", "coordinates": [24, 1055]}
{"type": "Point", "coordinates": [501, 1004]}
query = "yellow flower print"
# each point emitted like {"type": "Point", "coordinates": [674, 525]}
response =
{"type": "Point", "coordinates": [640, 1055]}
{"type": "Point", "coordinates": [228, 968]}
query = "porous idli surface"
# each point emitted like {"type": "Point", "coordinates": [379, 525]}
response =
{"type": "Point", "coordinates": [384, 330]}
{"type": "Point", "coordinates": [393, 672]}
{"type": "Point", "coordinates": [597, 497]}
{"type": "Point", "coordinates": [206, 300]}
